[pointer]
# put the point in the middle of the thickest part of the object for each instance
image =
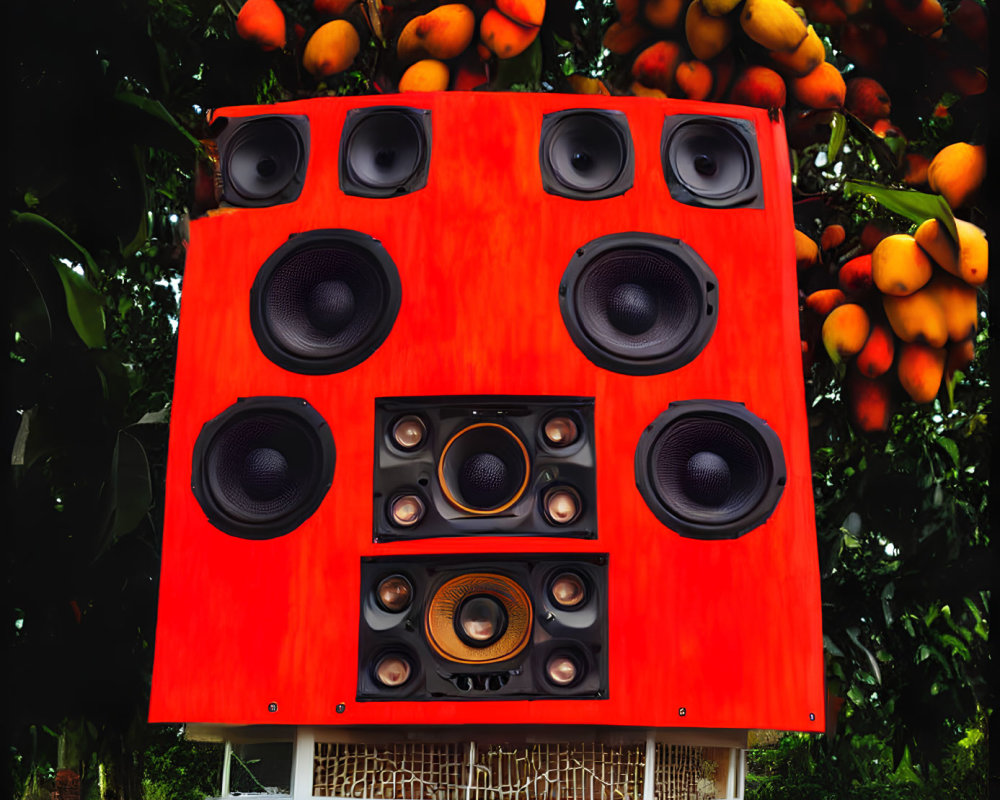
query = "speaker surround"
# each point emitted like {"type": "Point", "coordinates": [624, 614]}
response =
{"type": "Point", "coordinates": [586, 154]}
{"type": "Point", "coordinates": [385, 151]}
{"type": "Point", "coordinates": [639, 304]}
{"type": "Point", "coordinates": [485, 627]}
{"type": "Point", "coordinates": [324, 301]}
{"type": "Point", "coordinates": [262, 158]}
{"type": "Point", "coordinates": [711, 161]}
{"type": "Point", "coordinates": [262, 466]}
{"type": "Point", "coordinates": [710, 469]}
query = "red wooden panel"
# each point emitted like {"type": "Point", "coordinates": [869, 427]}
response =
{"type": "Point", "coordinates": [728, 630]}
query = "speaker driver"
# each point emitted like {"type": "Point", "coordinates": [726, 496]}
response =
{"type": "Point", "coordinates": [711, 161]}
{"type": "Point", "coordinates": [639, 304]}
{"type": "Point", "coordinates": [479, 618]}
{"type": "Point", "coordinates": [484, 469]}
{"type": "Point", "coordinates": [263, 159]}
{"type": "Point", "coordinates": [385, 151]}
{"type": "Point", "coordinates": [262, 467]}
{"type": "Point", "coordinates": [710, 469]}
{"type": "Point", "coordinates": [324, 301]}
{"type": "Point", "coordinates": [586, 155]}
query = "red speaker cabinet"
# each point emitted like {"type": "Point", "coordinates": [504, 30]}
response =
{"type": "Point", "coordinates": [489, 409]}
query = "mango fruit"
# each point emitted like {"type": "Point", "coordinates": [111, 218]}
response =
{"type": "Point", "coordinates": [971, 263]}
{"type": "Point", "coordinates": [832, 236]}
{"type": "Point", "coordinates": [803, 59]}
{"type": "Point", "coordinates": [331, 49]}
{"type": "Point", "coordinates": [823, 301]}
{"type": "Point", "coordinates": [867, 99]}
{"type": "Point", "coordinates": [426, 75]}
{"type": "Point", "coordinates": [806, 251]}
{"type": "Point", "coordinates": [707, 35]}
{"type": "Point", "coordinates": [958, 301]}
{"type": "Point", "coordinates": [656, 66]}
{"type": "Point", "coordinates": [824, 87]}
{"type": "Point", "coordinates": [760, 87]}
{"type": "Point", "coordinates": [957, 172]}
{"type": "Point", "coordinates": [876, 356]}
{"type": "Point", "coordinates": [524, 12]}
{"type": "Point", "coordinates": [773, 24]}
{"type": "Point", "coordinates": [869, 402]}
{"type": "Point", "coordinates": [621, 38]}
{"type": "Point", "coordinates": [694, 79]}
{"type": "Point", "coordinates": [845, 331]}
{"type": "Point", "coordinates": [441, 34]}
{"type": "Point", "coordinates": [504, 37]}
{"type": "Point", "coordinates": [855, 276]}
{"type": "Point", "coordinates": [663, 14]}
{"type": "Point", "coordinates": [899, 265]}
{"type": "Point", "coordinates": [262, 22]}
{"type": "Point", "coordinates": [920, 369]}
{"type": "Point", "coordinates": [918, 317]}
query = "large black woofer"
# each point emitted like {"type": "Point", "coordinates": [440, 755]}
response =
{"type": "Point", "coordinates": [484, 468]}
{"type": "Point", "coordinates": [638, 303]}
{"type": "Point", "coordinates": [711, 161]}
{"type": "Point", "coordinates": [710, 469]}
{"type": "Point", "coordinates": [263, 159]}
{"type": "Point", "coordinates": [325, 301]}
{"type": "Point", "coordinates": [385, 151]}
{"type": "Point", "coordinates": [586, 154]}
{"type": "Point", "coordinates": [262, 467]}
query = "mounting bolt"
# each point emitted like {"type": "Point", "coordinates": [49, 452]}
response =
{"type": "Point", "coordinates": [272, 707]}
{"type": "Point", "coordinates": [681, 711]}
{"type": "Point", "coordinates": [812, 717]}
{"type": "Point", "coordinates": [341, 708]}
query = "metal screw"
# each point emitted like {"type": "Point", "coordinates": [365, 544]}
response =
{"type": "Point", "coordinates": [341, 708]}
{"type": "Point", "coordinates": [812, 717]}
{"type": "Point", "coordinates": [272, 707]}
{"type": "Point", "coordinates": [682, 711]}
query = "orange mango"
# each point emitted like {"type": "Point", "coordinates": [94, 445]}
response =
{"type": "Point", "coordinates": [845, 331]}
{"type": "Point", "coordinates": [869, 402]}
{"type": "Point", "coordinates": [867, 99]}
{"type": "Point", "coordinates": [923, 17]}
{"type": "Point", "coordinates": [803, 59]}
{"type": "Point", "coordinates": [806, 251]}
{"type": "Point", "coordinates": [918, 317]}
{"type": "Point", "coordinates": [971, 263]}
{"type": "Point", "coordinates": [758, 86]}
{"type": "Point", "coordinates": [707, 35]}
{"type": "Point", "coordinates": [876, 356]}
{"type": "Point", "coordinates": [503, 36]}
{"type": "Point", "coordinates": [900, 266]}
{"type": "Point", "coordinates": [773, 24]}
{"type": "Point", "coordinates": [832, 236]}
{"type": "Point", "coordinates": [920, 369]}
{"type": "Point", "coordinates": [957, 172]}
{"type": "Point", "coordinates": [656, 66]}
{"type": "Point", "coordinates": [427, 75]}
{"type": "Point", "coordinates": [824, 87]}
{"type": "Point", "coordinates": [824, 301]}
{"type": "Point", "coordinates": [622, 38]}
{"type": "Point", "coordinates": [915, 169]}
{"type": "Point", "coordinates": [262, 22]}
{"type": "Point", "coordinates": [855, 277]}
{"type": "Point", "coordinates": [332, 8]}
{"type": "Point", "coordinates": [331, 49]}
{"type": "Point", "coordinates": [663, 14]}
{"type": "Point", "coordinates": [440, 34]}
{"type": "Point", "coordinates": [523, 12]}
{"type": "Point", "coordinates": [694, 78]}
{"type": "Point", "coordinates": [958, 301]}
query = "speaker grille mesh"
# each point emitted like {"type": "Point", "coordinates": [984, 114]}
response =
{"type": "Point", "coordinates": [325, 301]}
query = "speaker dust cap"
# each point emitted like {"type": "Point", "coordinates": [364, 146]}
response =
{"type": "Point", "coordinates": [263, 466]}
{"type": "Point", "coordinates": [479, 618]}
{"type": "Point", "coordinates": [639, 304]}
{"type": "Point", "coordinates": [711, 161]}
{"type": "Point", "coordinates": [586, 154]}
{"type": "Point", "coordinates": [385, 151]}
{"type": "Point", "coordinates": [263, 159]}
{"type": "Point", "coordinates": [324, 301]}
{"type": "Point", "coordinates": [710, 469]}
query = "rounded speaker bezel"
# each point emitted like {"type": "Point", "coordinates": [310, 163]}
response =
{"type": "Point", "coordinates": [727, 411]}
{"type": "Point", "coordinates": [703, 277]}
{"type": "Point", "coordinates": [231, 128]}
{"type": "Point", "coordinates": [309, 420]}
{"type": "Point", "coordinates": [317, 240]}
{"type": "Point", "coordinates": [751, 195]}
{"type": "Point", "coordinates": [617, 122]}
{"type": "Point", "coordinates": [352, 184]}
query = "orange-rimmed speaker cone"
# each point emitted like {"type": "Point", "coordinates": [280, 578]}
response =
{"type": "Point", "coordinates": [484, 469]}
{"type": "Point", "coordinates": [446, 605]}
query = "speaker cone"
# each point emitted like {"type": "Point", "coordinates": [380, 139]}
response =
{"type": "Point", "coordinates": [263, 159]}
{"type": "Point", "coordinates": [639, 304]}
{"type": "Point", "coordinates": [484, 469]}
{"type": "Point", "coordinates": [262, 467]}
{"type": "Point", "coordinates": [586, 155]}
{"type": "Point", "coordinates": [711, 161]}
{"type": "Point", "coordinates": [385, 151]}
{"type": "Point", "coordinates": [324, 301]}
{"type": "Point", "coordinates": [479, 618]}
{"type": "Point", "coordinates": [710, 469]}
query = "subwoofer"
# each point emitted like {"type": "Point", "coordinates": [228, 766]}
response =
{"type": "Point", "coordinates": [710, 469]}
{"type": "Point", "coordinates": [555, 341]}
{"type": "Point", "coordinates": [262, 466]}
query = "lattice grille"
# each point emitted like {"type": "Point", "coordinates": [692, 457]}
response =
{"type": "Point", "coordinates": [465, 771]}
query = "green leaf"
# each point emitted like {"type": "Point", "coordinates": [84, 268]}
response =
{"type": "Point", "coordinates": [854, 634]}
{"type": "Point", "coordinates": [156, 109]}
{"type": "Point", "coordinates": [887, 594]}
{"type": "Point", "coordinates": [838, 127]}
{"type": "Point", "coordinates": [950, 382]}
{"type": "Point", "coordinates": [27, 218]}
{"type": "Point", "coordinates": [84, 304]}
{"type": "Point", "coordinates": [917, 206]}
{"type": "Point", "coordinates": [950, 448]}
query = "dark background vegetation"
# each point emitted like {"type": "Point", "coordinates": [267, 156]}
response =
{"type": "Point", "coordinates": [107, 101]}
